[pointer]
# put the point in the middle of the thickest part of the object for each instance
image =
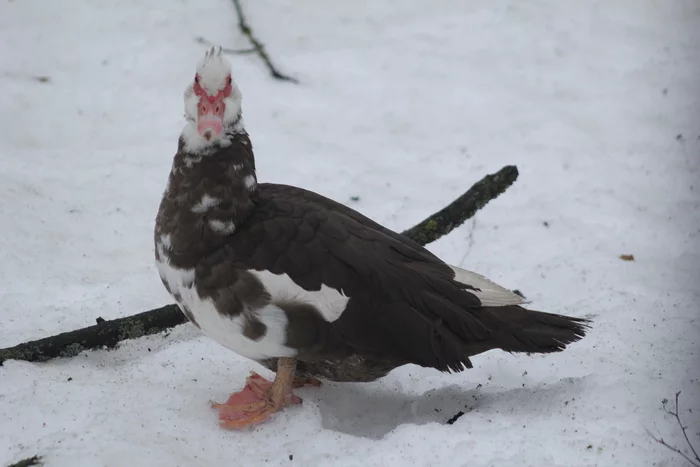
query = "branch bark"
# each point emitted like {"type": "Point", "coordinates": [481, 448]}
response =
{"type": "Point", "coordinates": [107, 334]}
{"type": "Point", "coordinates": [104, 334]}
{"type": "Point", "coordinates": [454, 214]}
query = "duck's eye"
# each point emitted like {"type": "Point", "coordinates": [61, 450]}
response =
{"type": "Point", "coordinates": [196, 78]}
{"type": "Point", "coordinates": [229, 81]}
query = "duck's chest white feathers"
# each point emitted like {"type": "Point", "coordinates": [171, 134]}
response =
{"type": "Point", "coordinates": [224, 329]}
{"type": "Point", "coordinates": [229, 330]}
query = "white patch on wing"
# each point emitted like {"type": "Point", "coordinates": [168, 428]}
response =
{"type": "Point", "coordinates": [222, 227]}
{"type": "Point", "coordinates": [205, 203]}
{"type": "Point", "coordinates": [249, 182]}
{"type": "Point", "coordinates": [491, 294]}
{"type": "Point", "coordinates": [165, 243]}
{"type": "Point", "coordinates": [225, 330]}
{"type": "Point", "coordinates": [328, 301]}
{"type": "Point", "coordinates": [175, 278]}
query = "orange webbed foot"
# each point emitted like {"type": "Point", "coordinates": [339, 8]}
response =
{"type": "Point", "coordinates": [258, 400]}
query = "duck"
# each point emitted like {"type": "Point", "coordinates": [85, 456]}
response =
{"type": "Point", "coordinates": [307, 287]}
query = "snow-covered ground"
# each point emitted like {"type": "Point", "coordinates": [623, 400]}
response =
{"type": "Point", "coordinates": [404, 105]}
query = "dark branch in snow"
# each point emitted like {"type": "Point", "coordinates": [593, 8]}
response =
{"type": "Point", "coordinates": [28, 462]}
{"type": "Point", "coordinates": [662, 442]}
{"type": "Point", "coordinates": [107, 334]}
{"type": "Point", "coordinates": [453, 215]}
{"type": "Point", "coordinates": [104, 334]}
{"type": "Point", "coordinates": [258, 47]}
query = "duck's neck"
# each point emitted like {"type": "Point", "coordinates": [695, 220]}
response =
{"type": "Point", "coordinates": [210, 191]}
{"type": "Point", "coordinates": [233, 148]}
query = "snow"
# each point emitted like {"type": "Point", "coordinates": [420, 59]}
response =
{"type": "Point", "coordinates": [404, 105]}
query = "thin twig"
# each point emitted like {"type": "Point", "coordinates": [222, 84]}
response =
{"type": "Point", "coordinates": [258, 47]}
{"type": "Point", "coordinates": [208, 43]}
{"type": "Point", "coordinates": [683, 428]}
{"type": "Point", "coordinates": [661, 441]}
{"type": "Point", "coordinates": [107, 334]}
{"type": "Point", "coordinates": [470, 242]}
{"type": "Point", "coordinates": [673, 448]}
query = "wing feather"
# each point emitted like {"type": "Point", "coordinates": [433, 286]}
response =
{"type": "Point", "coordinates": [406, 295]}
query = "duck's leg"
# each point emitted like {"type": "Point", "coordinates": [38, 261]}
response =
{"type": "Point", "coordinates": [260, 398]}
{"type": "Point", "coordinates": [300, 382]}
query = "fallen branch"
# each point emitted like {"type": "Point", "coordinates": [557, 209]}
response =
{"type": "Point", "coordinates": [104, 334]}
{"type": "Point", "coordinates": [458, 211]}
{"type": "Point", "coordinates": [662, 442]}
{"type": "Point", "coordinates": [107, 334]}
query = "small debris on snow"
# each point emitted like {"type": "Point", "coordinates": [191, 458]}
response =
{"type": "Point", "coordinates": [627, 257]}
{"type": "Point", "coordinates": [455, 417]}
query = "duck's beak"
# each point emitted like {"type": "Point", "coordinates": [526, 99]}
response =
{"type": "Point", "coordinates": [210, 117]}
